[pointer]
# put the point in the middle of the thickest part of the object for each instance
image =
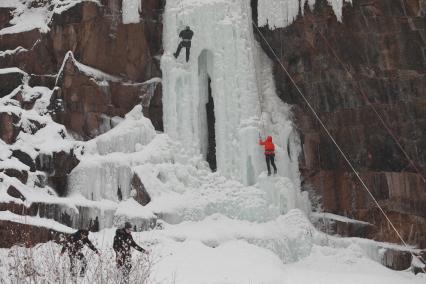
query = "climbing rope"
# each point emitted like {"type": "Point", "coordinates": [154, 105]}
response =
{"type": "Point", "coordinates": [336, 144]}
{"type": "Point", "coordinates": [182, 12]}
{"type": "Point", "coordinates": [258, 85]}
{"type": "Point", "coordinates": [259, 97]}
{"type": "Point", "coordinates": [368, 102]}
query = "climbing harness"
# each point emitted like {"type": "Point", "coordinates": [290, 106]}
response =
{"type": "Point", "coordinates": [335, 143]}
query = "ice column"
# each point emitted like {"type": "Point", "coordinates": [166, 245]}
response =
{"type": "Point", "coordinates": [224, 50]}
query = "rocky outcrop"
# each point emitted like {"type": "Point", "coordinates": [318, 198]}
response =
{"type": "Point", "coordinates": [26, 235]}
{"type": "Point", "coordinates": [97, 37]}
{"type": "Point", "coordinates": [5, 17]}
{"type": "Point", "coordinates": [10, 80]}
{"type": "Point", "coordinates": [20, 174]}
{"type": "Point", "coordinates": [382, 44]}
{"type": "Point", "coordinates": [9, 127]}
{"type": "Point", "coordinates": [25, 39]}
{"type": "Point", "coordinates": [142, 196]}
{"type": "Point", "coordinates": [397, 260]}
{"type": "Point", "coordinates": [35, 59]}
{"type": "Point", "coordinates": [25, 159]}
{"type": "Point", "coordinates": [12, 191]}
{"type": "Point", "coordinates": [79, 35]}
{"type": "Point", "coordinates": [57, 166]}
{"type": "Point", "coordinates": [104, 69]}
{"type": "Point", "coordinates": [90, 99]}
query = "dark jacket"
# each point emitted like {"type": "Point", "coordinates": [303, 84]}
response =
{"type": "Point", "coordinates": [74, 243]}
{"type": "Point", "coordinates": [186, 34]}
{"type": "Point", "coordinates": [123, 241]}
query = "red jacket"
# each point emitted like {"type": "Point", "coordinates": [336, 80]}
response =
{"type": "Point", "coordinates": [269, 146]}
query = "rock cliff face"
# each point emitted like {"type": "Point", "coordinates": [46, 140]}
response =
{"type": "Point", "coordinates": [105, 68]}
{"type": "Point", "coordinates": [382, 44]}
{"type": "Point", "coordinates": [96, 37]}
{"type": "Point", "coordinates": [98, 69]}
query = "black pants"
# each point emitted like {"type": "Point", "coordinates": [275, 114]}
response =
{"type": "Point", "coordinates": [187, 45]}
{"type": "Point", "coordinates": [124, 265]}
{"type": "Point", "coordinates": [74, 259]}
{"type": "Point", "coordinates": [270, 159]}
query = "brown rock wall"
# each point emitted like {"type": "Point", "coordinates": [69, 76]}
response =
{"type": "Point", "coordinates": [9, 127]}
{"type": "Point", "coordinates": [382, 43]}
{"type": "Point", "coordinates": [5, 17]}
{"type": "Point", "coordinates": [89, 103]}
{"type": "Point", "coordinates": [22, 234]}
{"type": "Point", "coordinates": [142, 196]}
{"type": "Point", "coordinates": [97, 37]}
{"type": "Point", "coordinates": [9, 82]}
{"type": "Point", "coordinates": [25, 39]}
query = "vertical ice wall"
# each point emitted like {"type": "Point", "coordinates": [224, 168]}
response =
{"type": "Point", "coordinates": [131, 9]}
{"type": "Point", "coordinates": [224, 50]}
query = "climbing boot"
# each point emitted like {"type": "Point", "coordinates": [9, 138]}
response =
{"type": "Point", "coordinates": [275, 172]}
{"type": "Point", "coordinates": [269, 174]}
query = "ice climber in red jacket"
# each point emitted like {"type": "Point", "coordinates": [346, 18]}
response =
{"type": "Point", "coordinates": [269, 153]}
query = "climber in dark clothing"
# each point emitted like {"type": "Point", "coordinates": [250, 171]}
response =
{"type": "Point", "coordinates": [186, 36]}
{"type": "Point", "coordinates": [269, 153]}
{"type": "Point", "coordinates": [74, 244]}
{"type": "Point", "coordinates": [123, 242]}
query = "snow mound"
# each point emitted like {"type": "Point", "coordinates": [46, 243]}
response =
{"type": "Point", "coordinates": [133, 132]}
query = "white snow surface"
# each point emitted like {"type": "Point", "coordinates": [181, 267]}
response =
{"type": "Point", "coordinates": [12, 70]}
{"type": "Point", "coordinates": [26, 18]}
{"type": "Point", "coordinates": [222, 250]}
{"type": "Point", "coordinates": [131, 10]}
{"type": "Point", "coordinates": [281, 13]}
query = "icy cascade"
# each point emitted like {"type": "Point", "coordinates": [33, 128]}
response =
{"type": "Point", "coordinates": [99, 175]}
{"type": "Point", "coordinates": [131, 10]}
{"type": "Point", "coordinates": [180, 185]}
{"type": "Point", "coordinates": [224, 51]}
{"type": "Point", "coordinates": [281, 13]}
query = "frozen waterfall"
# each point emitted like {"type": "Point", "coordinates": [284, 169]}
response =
{"type": "Point", "coordinates": [227, 64]}
{"type": "Point", "coordinates": [214, 106]}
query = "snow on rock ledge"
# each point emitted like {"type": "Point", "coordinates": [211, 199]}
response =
{"type": "Point", "coordinates": [281, 13]}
